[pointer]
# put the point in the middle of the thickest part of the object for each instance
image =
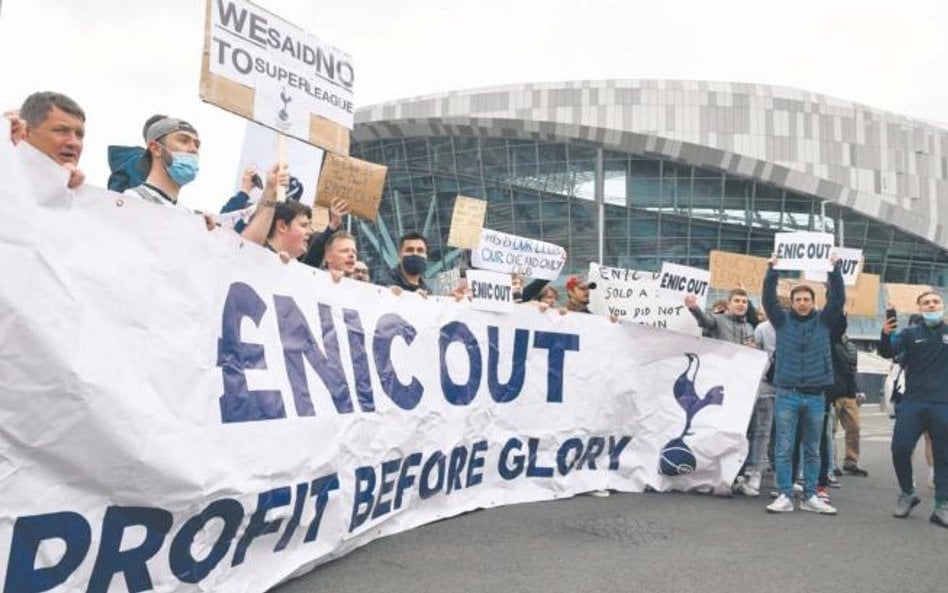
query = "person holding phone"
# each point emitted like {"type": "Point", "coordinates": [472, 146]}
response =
{"type": "Point", "coordinates": [924, 404]}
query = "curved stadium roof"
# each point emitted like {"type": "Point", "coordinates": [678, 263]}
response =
{"type": "Point", "coordinates": [883, 165]}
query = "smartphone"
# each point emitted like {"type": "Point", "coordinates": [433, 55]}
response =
{"type": "Point", "coordinates": [890, 314]}
{"type": "Point", "coordinates": [256, 181]}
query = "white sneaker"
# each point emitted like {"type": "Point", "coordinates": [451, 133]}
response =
{"type": "Point", "coordinates": [599, 493]}
{"type": "Point", "coordinates": [753, 481]}
{"type": "Point", "coordinates": [797, 488]}
{"type": "Point", "coordinates": [815, 505]}
{"type": "Point", "coordinates": [781, 505]}
{"type": "Point", "coordinates": [746, 489]}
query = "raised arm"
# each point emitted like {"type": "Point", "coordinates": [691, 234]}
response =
{"type": "Point", "coordinates": [769, 296]}
{"type": "Point", "coordinates": [259, 226]}
{"type": "Point", "coordinates": [704, 320]}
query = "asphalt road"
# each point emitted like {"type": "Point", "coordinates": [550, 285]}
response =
{"type": "Point", "coordinates": [674, 543]}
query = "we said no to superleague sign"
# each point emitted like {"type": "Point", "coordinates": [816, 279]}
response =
{"type": "Point", "coordinates": [324, 415]}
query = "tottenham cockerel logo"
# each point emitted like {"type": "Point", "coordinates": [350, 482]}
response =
{"type": "Point", "coordinates": [677, 458]}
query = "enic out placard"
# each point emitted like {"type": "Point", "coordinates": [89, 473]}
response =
{"type": "Point", "coordinates": [804, 251]}
{"type": "Point", "coordinates": [677, 282]}
{"type": "Point", "coordinates": [490, 291]}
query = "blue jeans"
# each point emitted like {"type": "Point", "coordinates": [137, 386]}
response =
{"type": "Point", "coordinates": [912, 418]}
{"type": "Point", "coordinates": [798, 411]}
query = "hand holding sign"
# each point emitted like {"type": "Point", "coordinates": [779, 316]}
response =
{"type": "Point", "coordinates": [691, 301]}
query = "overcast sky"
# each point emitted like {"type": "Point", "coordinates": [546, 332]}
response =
{"type": "Point", "coordinates": [124, 60]}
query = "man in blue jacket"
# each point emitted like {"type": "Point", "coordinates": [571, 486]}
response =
{"type": "Point", "coordinates": [924, 405]}
{"type": "Point", "coordinates": [803, 371]}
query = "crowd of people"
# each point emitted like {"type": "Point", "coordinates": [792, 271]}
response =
{"type": "Point", "coordinates": [811, 377]}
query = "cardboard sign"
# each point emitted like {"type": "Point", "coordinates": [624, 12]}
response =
{"type": "Point", "coordinates": [731, 270]}
{"type": "Point", "coordinates": [490, 291]}
{"type": "Point", "coordinates": [861, 299]}
{"type": "Point", "coordinates": [511, 254]}
{"type": "Point", "coordinates": [260, 152]}
{"type": "Point", "coordinates": [359, 182]}
{"type": "Point", "coordinates": [803, 251]}
{"type": "Point", "coordinates": [264, 68]}
{"type": "Point", "coordinates": [467, 222]}
{"type": "Point", "coordinates": [904, 297]}
{"type": "Point", "coordinates": [634, 296]}
{"type": "Point", "coordinates": [850, 261]}
{"type": "Point", "coordinates": [676, 282]}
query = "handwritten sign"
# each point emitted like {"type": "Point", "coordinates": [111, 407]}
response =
{"type": "Point", "coordinates": [803, 251]}
{"type": "Point", "coordinates": [731, 270]}
{"type": "Point", "coordinates": [904, 297]}
{"type": "Point", "coordinates": [634, 296]}
{"type": "Point", "coordinates": [850, 260]}
{"type": "Point", "coordinates": [676, 282]}
{"type": "Point", "coordinates": [349, 178]}
{"type": "Point", "coordinates": [263, 68]}
{"type": "Point", "coordinates": [490, 291]}
{"type": "Point", "coordinates": [467, 222]}
{"type": "Point", "coordinates": [511, 254]}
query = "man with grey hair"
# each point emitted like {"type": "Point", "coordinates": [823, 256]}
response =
{"type": "Point", "coordinates": [55, 125]}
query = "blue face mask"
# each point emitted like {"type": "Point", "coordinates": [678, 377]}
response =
{"type": "Point", "coordinates": [932, 317]}
{"type": "Point", "coordinates": [183, 168]}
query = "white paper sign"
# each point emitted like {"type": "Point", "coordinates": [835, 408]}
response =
{"type": "Point", "coordinates": [260, 152]}
{"type": "Point", "coordinates": [634, 296]}
{"type": "Point", "coordinates": [677, 281]}
{"type": "Point", "coordinates": [292, 72]}
{"type": "Point", "coordinates": [803, 251]}
{"type": "Point", "coordinates": [511, 254]}
{"type": "Point", "coordinates": [850, 263]}
{"type": "Point", "coordinates": [490, 291]}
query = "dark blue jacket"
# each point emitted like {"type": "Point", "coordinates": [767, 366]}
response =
{"type": "Point", "coordinates": [924, 353]}
{"type": "Point", "coordinates": [803, 355]}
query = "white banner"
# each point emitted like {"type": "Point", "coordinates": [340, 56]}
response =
{"type": "Point", "coordinates": [850, 261]}
{"type": "Point", "coordinates": [181, 411]}
{"type": "Point", "coordinates": [634, 296]}
{"type": "Point", "coordinates": [292, 72]}
{"type": "Point", "coordinates": [490, 291]}
{"type": "Point", "coordinates": [803, 250]}
{"type": "Point", "coordinates": [511, 254]}
{"type": "Point", "coordinates": [676, 282]}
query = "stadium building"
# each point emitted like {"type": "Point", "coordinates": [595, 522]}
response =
{"type": "Point", "coordinates": [632, 173]}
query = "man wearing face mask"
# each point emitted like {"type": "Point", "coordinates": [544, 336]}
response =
{"type": "Point", "coordinates": [412, 262]}
{"type": "Point", "coordinates": [924, 404]}
{"type": "Point", "coordinates": [171, 159]}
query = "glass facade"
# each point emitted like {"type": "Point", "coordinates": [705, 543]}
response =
{"type": "Point", "coordinates": [655, 209]}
